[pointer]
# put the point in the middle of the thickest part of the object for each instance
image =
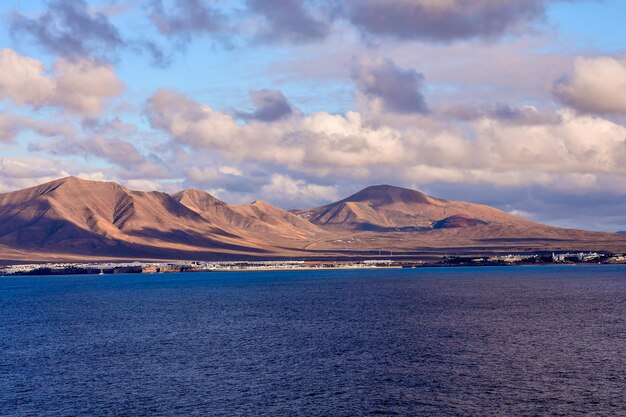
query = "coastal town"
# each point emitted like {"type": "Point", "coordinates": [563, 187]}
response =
{"type": "Point", "coordinates": [106, 268]}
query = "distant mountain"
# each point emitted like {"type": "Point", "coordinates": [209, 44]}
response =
{"type": "Point", "coordinates": [402, 218]}
{"type": "Point", "coordinates": [386, 208]}
{"type": "Point", "coordinates": [71, 218]}
{"type": "Point", "coordinates": [621, 233]}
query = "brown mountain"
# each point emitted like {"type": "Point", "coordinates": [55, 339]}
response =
{"type": "Point", "coordinates": [394, 218]}
{"type": "Point", "coordinates": [389, 208]}
{"type": "Point", "coordinates": [256, 218]}
{"type": "Point", "coordinates": [80, 217]}
{"type": "Point", "coordinates": [73, 218]}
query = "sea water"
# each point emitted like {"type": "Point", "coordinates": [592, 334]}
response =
{"type": "Point", "coordinates": [510, 341]}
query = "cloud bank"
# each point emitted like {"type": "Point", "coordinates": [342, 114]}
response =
{"type": "Point", "coordinates": [310, 100]}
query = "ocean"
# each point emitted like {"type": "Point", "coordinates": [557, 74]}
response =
{"type": "Point", "coordinates": [476, 341]}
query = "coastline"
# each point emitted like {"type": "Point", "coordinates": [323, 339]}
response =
{"type": "Point", "coordinates": [147, 268]}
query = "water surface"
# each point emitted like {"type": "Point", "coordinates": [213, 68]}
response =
{"type": "Point", "coordinates": [421, 342]}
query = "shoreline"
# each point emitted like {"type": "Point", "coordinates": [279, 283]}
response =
{"type": "Point", "coordinates": [148, 268]}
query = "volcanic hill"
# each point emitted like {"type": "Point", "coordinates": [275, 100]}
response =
{"type": "Point", "coordinates": [72, 219]}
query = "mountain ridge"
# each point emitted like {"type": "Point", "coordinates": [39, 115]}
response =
{"type": "Point", "coordinates": [385, 207]}
{"type": "Point", "coordinates": [72, 217]}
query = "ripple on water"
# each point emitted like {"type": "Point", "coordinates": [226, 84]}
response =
{"type": "Point", "coordinates": [436, 342]}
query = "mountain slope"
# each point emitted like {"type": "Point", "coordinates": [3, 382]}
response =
{"type": "Point", "coordinates": [387, 208]}
{"type": "Point", "coordinates": [388, 217]}
{"type": "Point", "coordinates": [79, 216]}
{"type": "Point", "coordinates": [271, 219]}
{"type": "Point", "coordinates": [259, 219]}
{"type": "Point", "coordinates": [72, 218]}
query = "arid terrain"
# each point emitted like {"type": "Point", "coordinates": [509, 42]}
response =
{"type": "Point", "coordinates": [76, 219]}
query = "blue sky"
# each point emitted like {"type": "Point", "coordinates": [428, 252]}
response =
{"type": "Point", "coordinates": [514, 103]}
{"type": "Point", "coordinates": [591, 25]}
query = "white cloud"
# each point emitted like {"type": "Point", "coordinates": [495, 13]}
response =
{"type": "Point", "coordinates": [595, 85]}
{"type": "Point", "coordinates": [521, 213]}
{"type": "Point", "coordinates": [569, 148]}
{"type": "Point", "coordinates": [289, 191]}
{"type": "Point", "coordinates": [23, 80]}
{"type": "Point", "coordinates": [231, 171]}
{"type": "Point", "coordinates": [94, 176]}
{"type": "Point", "coordinates": [320, 140]}
{"type": "Point", "coordinates": [84, 86]}
{"type": "Point", "coordinates": [81, 87]}
{"type": "Point", "coordinates": [143, 185]}
{"type": "Point", "coordinates": [203, 175]}
{"type": "Point", "coordinates": [18, 173]}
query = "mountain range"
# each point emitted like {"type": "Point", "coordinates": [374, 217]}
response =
{"type": "Point", "coordinates": [77, 219]}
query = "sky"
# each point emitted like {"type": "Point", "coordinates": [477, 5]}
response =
{"type": "Point", "coordinates": [518, 104]}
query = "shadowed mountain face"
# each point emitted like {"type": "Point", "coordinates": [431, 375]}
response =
{"type": "Point", "coordinates": [256, 220]}
{"type": "Point", "coordinates": [199, 201]}
{"type": "Point", "coordinates": [73, 218]}
{"type": "Point", "coordinates": [385, 195]}
{"type": "Point", "coordinates": [457, 221]}
{"type": "Point", "coordinates": [82, 217]}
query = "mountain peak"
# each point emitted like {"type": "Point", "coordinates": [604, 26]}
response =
{"type": "Point", "coordinates": [192, 191]}
{"type": "Point", "coordinates": [197, 200]}
{"type": "Point", "coordinates": [262, 204]}
{"type": "Point", "coordinates": [72, 179]}
{"type": "Point", "coordinates": [195, 192]}
{"type": "Point", "coordinates": [69, 179]}
{"type": "Point", "coordinates": [385, 194]}
{"type": "Point", "coordinates": [69, 184]}
{"type": "Point", "coordinates": [76, 183]}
